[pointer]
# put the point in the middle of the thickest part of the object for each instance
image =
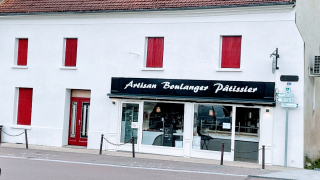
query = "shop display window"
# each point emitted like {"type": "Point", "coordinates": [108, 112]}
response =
{"type": "Point", "coordinates": [247, 123]}
{"type": "Point", "coordinates": [247, 134]}
{"type": "Point", "coordinates": [163, 124]}
{"type": "Point", "coordinates": [130, 114]}
{"type": "Point", "coordinates": [212, 127]}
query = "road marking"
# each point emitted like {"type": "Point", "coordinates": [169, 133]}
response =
{"type": "Point", "coordinates": [123, 166]}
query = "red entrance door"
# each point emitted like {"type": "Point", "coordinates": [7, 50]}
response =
{"type": "Point", "coordinates": [79, 121]}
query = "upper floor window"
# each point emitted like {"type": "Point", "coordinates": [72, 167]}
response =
{"type": "Point", "coordinates": [231, 52]}
{"type": "Point", "coordinates": [155, 52]}
{"type": "Point", "coordinates": [22, 54]}
{"type": "Point", "coordinates": [24, 106]}
{"type": "Point", "coordinates": [71, 52]}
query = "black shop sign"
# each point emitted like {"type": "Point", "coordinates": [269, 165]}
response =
{"type": "Point", "coordinates": [193, 88]}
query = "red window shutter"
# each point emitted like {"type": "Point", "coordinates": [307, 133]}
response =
{"type": "Point", "coordinates": [231, 52]}
{"type": "Point", "coordinates": [22, 52]}
{"type": "Point", "coordinates": [150, 53]}
{"type": "Point", "coordinates": [155, 52]}
{"type": "Point", "coordinates": [71, 52]}
{"type": "Point", "coordinates": [24, 106]}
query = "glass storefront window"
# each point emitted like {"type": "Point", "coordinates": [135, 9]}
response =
{"type": "Point", "coordinates": [247, 123]}
{"type": "Point", "coordinates": [163, 124]}
{"type": "Point", "coordinates": [212, 127]}
{"type": "Point", "coordinates": [247, 134]}
{"type": "Point", "coordinates": [130, 113]}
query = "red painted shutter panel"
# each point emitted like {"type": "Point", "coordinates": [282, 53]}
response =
{"type": "Point", "coordinates": [150, 52]}
{"type": "Point", "coordinates": [21, 107]}
{"type": "Point", "coordinates": [74, 51]}
{"type": "Point", "coordinates": [24, 106]}
{"type": "Point", "coordinates": [224, 52]}
{"type": "Point", "coordinates": [155, 52]}
{"type": "Point", "coordinates": [231, 52]}
{"type": "Point", "coordinates": [22, 52]}
{"type": "Point", "coordinates": [237, 52]}
{"type": "Point", "coordinates": [158, 52]}
{"type": "Point", "coordinates": [68, 53]}
{"type": "Point", "coordinates": [71, 52]}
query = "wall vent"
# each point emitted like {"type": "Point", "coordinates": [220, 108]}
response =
{"type": "Point", "coordinates": [316, 65]}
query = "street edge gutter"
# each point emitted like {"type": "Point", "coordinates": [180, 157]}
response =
{"type": "Point", "coordinates": [264, 177]}
{"type": "Point", "coordinates": [144, 10]}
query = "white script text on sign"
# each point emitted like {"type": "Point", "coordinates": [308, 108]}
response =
{"type": "Point", "coordinates": [289, 105]}
{"type": "Point", "coordinates": [284, 99]}
{"type": "Point", "coordinates": [283, 95]}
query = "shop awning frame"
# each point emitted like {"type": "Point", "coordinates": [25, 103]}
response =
{"type": "Point", "coordinates": [247, 102]}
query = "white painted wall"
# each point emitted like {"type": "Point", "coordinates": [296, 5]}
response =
{"type": "Point", "coordinates": [308, 23]}
{"type": "Point", "coordinates": [191, 51]}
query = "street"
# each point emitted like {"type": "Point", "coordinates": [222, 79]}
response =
{"type": "Point", "coordinates": [38, 164]}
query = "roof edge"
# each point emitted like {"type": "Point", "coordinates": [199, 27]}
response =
{"type": "Point", "coordinates": [144, 10]}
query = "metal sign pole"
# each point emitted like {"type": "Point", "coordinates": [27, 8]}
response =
{"type": "Point", "coordinates": [286, 145]}
{"type": "Point", "coordinates": [286, 97]}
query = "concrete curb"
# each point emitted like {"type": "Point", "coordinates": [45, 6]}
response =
{"type": "Point", "coordinates": [265, 177]}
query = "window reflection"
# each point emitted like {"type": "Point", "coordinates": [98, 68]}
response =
{"type": "Point", "coordinates": [73, 119]}
{"type": "Point", "coordinates": [85, 119]}
{"type": "Point", "coordinates": [163, 124]}
{"type": "Point", "coordinates": [212, 127]}
{"type": "Point", "coordinates": [130, 113]}
{"type": "Point", "coordinates": [247, 123]}
{"type": "Point", "coordinates": [247, 134]}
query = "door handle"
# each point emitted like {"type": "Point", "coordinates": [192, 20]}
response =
{"type": "Point", "coordinates": [79, 122]}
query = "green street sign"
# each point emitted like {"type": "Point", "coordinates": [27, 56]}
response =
{"type": "Point", "coordinates": [289, 105]}
{"type": "Point", "coordinates": [284, 99]}
{"type": "Point", "coordinates": [288, 89]}
{"type": "Point", "coordinates": [285, 95]}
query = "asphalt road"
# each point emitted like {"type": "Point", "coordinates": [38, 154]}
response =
{"type": "Point", "coordinates": [24, 164]}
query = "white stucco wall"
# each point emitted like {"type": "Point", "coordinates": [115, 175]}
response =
{"type": "Point", "coordinates": [191, 51]}
{"type": "Point", "coordinates": [308, 23]}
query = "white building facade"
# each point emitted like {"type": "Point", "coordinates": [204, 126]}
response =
{"type": "Point", "coordinates": [74, 105]}
{"type": "Point", "coordinates": [308, 22]}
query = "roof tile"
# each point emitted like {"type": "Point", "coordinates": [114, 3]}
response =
{"type": "Point", "coordinates": [42, 6]}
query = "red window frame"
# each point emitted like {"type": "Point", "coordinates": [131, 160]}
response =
{"type": "Point", "coordinates": [231, 51]}
{"type": "Point", "coordinates": [71, 52]}
{"type": "Point", "coordinates": [24, 106]}
{"type": "Point", "coordinates": [22, 52]}
{"type": "Point", "coordinates": [155, 47]}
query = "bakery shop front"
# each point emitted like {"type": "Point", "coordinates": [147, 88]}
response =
{"type": "Point", "coordinates": [192, 118]}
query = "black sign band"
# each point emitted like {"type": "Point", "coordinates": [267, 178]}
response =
{"type": "Point", "coordinates": [235, 90]}
{"type": "Point", "coordinates": [289, 78]}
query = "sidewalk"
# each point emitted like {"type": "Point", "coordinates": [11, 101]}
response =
{"type": "Point", "coordinates": [78, 149]}
{"type": "Point", "coordinates": [271, 172]}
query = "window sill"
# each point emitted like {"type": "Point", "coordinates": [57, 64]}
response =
{"type": "Point", "coordinates": [20, 127]}
{"type": "Point", "coordinates": [152, 69]}
{"type": "Point", "coordinates": [229, 70]}
{"type": "Point", "coordinates": [68, 68]}
{"type": "Point", "coordinates": [19, 67]}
